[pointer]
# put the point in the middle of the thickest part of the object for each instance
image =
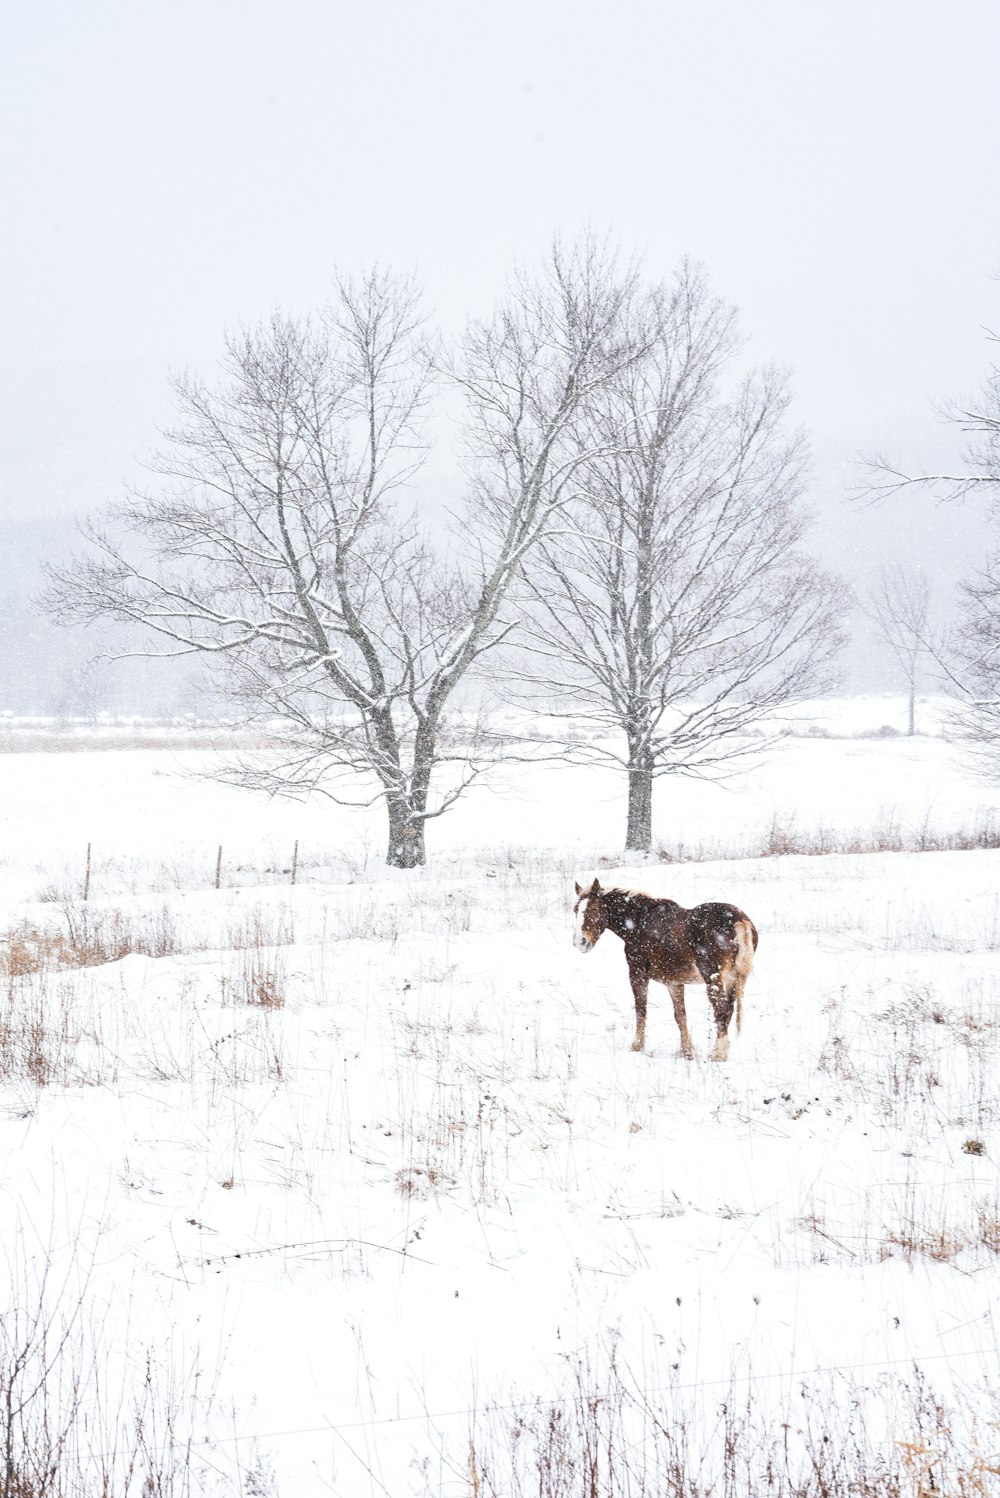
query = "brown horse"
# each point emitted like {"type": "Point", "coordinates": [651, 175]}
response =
{"type": "Point", "coordinates": [711, 944]}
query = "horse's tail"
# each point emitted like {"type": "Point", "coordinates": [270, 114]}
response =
{"type": "Point", "coordinates": [746, 945]}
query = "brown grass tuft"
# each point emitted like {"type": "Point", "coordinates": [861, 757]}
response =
{"type": "Point", "coordinates": [917, 1240]}
{"type": "Point", "coordinates": [989, 1228]}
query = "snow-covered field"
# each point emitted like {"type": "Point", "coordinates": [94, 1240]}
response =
{"type": "Point", "coordinates": [357, 1187]}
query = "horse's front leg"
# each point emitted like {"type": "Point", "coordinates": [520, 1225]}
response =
{"type": "Point", "coordinates": [722, 1001]}
{"type": "Point", "coordinates": [680, 1015]}
{"type": "Point", "coordinates": [640, 990]}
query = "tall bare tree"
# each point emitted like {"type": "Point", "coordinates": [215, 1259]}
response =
{"type": "Point", "coordinates": [900, 605]}
{"type": "Point", "coordinates": [676, 610]}
{"type": "Point", "coordinates": [278, 548]}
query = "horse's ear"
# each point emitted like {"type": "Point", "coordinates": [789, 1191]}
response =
{"type": "Point", "coordinates": [595, 888]}
{"type": "Point", "coordinates": [577, 888]}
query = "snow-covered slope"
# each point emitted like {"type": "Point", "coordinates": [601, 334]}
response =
{"type": "Point", "coordinates": [355, 1171]}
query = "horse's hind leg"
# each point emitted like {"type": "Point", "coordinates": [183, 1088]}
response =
{"type": "Point", "coordinates": [640, 990]}
{"type": "Point", "coordinates": [739, 985]}
{"type": "Point", "coordinates": [722, 997]}
{"type": "Point", "coordinates": [680, 1015]}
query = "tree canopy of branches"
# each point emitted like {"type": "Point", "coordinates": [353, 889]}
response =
{"type": "Point", "coordinates": [973, 660]}
{"type": "Point", "coordinates": [277, 547]}
{"type": "Point", "coordinates": [976, 668]}
{"type": "Point", "coordinates": [979, 463]}
{"type": "Point", "coordinates": [676, 610]}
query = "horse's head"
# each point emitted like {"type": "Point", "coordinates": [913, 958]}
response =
{"type": "Point", "coordinates": [591, 920]}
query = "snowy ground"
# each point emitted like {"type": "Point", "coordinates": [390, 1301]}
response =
{"type": "Point", "coordinates": [356, 1170]}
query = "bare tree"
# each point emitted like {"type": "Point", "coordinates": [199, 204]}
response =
{"type": "Point", "coordinates": [676, 610]}
{"type": "Point", "coordinates": [278, 547]}
{"type": "Point", "coordinates": [900, 606]}
{"type": "Point", "coordinates": [971, 662]}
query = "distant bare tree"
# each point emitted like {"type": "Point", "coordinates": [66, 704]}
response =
{"type": "Point", "coordinates": [901, 606]}
{"type": "Point", "coordinates": [277, 547]}
{"type": "Point", "coordinates": [676, 610]}
{"type": "Point", "coordinates": [81, 694]}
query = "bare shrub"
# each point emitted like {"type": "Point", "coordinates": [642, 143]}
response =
{"type": "Point", "coordinates": [40, 1379]}
{"type": "Point", "coordinates": [887, 731]}
{"type": "Point", "coordinates": [54, 1402]}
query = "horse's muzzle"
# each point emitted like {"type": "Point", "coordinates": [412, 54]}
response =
{"type": "Point", "coordinates": [582, 943]}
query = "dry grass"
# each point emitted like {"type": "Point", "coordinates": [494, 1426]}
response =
{"type": "Point", "coordinates": [90, 939]}
{"type": "Point", "coordinates": [943, 1242]}
{"type": "Point", "coordinates": [260, 929]}
{"type": "Point", "coordinates": [46, 1036]}
{"type": "Point", "coordinates": [70, 1427]}
{"type": "Point", "coordinates": [92, 936]}
{"type": "Point", "coordinates": [917, 1240]}
{"type": "Point", "coordinates": [27, 949]}
{"type": "Point", "coordinates": [260, 977]}
{"type": "Point", "coordinates": [925, 1463]}
{"type": "Point", "coordinates": [784, 838]}
{"type": "Point", "coordinates": [260, 982]}
{"type": "Point", "coordinates": [36, 1032]}
{"type": "Point", "coordinates": [611, 1437]}
{"type": "Point", "coordinates": [989, 1228]}
{"type": "Point", "coordinates": [263, 989]}
{"type": "Point", "coordinates": [53, 1029]}
{"type": "Point", "coordinates": [418, 1181]}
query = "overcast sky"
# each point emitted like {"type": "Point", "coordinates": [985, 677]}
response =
{"type": "Point", "coordinates": [172, 167]}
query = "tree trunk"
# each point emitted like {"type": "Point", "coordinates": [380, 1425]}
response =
{"type": "Point", "coordinates": [639, 833]}
{"type": "Point", "coordinates": [406, 836]}
{"type": "Point", "coordinates": [913, 698]}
